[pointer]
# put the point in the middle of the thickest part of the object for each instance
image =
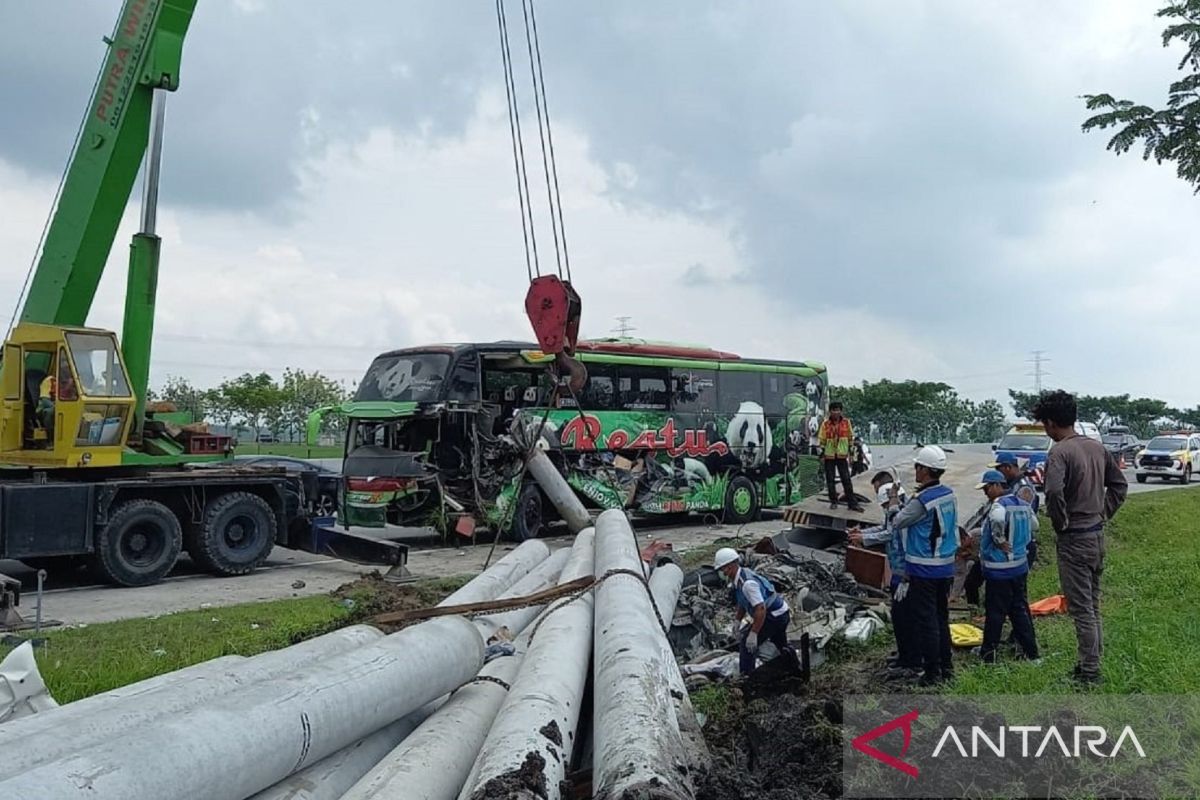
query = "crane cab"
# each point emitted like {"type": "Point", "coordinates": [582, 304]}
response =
{"type": "Point", "coordinates": [67, 400]}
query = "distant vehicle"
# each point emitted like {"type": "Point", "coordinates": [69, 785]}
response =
{"type": "Point", "coordinates": [1121, 445]}
{"type": "Point", "coordinates": [1169, 456]}
{"type": "Point", "coordinates": [266, 438]}
{"type": "Point", "coordinates": [1030, 444]}
{"type": "Point", "coordinates": [324, 501]}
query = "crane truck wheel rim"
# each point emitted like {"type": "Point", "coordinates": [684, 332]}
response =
{"type": "Point", "coordinates": [139, 544]}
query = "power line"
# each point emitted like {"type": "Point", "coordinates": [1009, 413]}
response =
{"type": "Point", "coordinates": [1039, 370]}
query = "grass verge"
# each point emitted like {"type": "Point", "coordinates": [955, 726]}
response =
{"type": "Point", "coordinates": [79, 662]}
{"type": "Point", "coordinates": [1151, 631]}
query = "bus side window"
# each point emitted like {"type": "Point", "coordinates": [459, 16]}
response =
{"type": "Point", "coordinates": [693, 390]}
{"type": "Point", "coordinates": [643, 388]}
{"type": "Point", "coordinates": [601, 390]}
{"type": "Point", "coordinates": [735, 387]}
{"type": "Point", "coordinates": [776, 387]}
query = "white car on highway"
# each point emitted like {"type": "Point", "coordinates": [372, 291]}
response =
{"type": "Point", "coordinates": [1170, 456]}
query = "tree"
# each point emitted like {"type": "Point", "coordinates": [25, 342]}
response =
{"type": "Point", "coordinates": [184, 395]}
{"type": "Point", "coordinates": [1171, 133]}
{"type": "Point", "coordinates": [1022, 403]}
{"type": "Point", "coordinates": [302, 393]}
{"type": "Point", "coordinates": [253, 399]}
{"type": "Point", "coordinates": [987, 422]}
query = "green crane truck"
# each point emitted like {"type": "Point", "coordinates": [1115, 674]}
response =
{"type": "Point", "coordinates": [87, 470]}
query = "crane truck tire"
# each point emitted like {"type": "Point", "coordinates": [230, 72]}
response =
{"type": "Point", "coordinates": [235, 535]}
{"type": "Point", "coordinates": [139, 544]}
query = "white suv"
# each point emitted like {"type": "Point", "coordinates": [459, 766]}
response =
{"type": "Point", "coordinates": [1170, 456]}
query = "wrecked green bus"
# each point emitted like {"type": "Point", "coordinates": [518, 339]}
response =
{"type": "Point", "coordinates": [658, 429]}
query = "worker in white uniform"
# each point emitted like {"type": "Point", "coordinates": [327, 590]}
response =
{"type": "Point", "coordinates": [757, 599]}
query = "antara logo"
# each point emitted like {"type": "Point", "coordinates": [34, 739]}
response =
{"type": "Point", "coordinates": [584, 431]}
{"type": "Point", "coordinates": [1035, 742]}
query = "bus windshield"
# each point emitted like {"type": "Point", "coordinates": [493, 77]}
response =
{"type": "Point", "coordinates": [405, 377]}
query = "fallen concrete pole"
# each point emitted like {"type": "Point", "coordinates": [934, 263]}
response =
{"type": "Point", "coordinates": [666, 583]}
{"type": "Point", "coordinates": [543, 576]}
{"type": "Point", "coordinates": [43, 738]}
{"type": "Point", "coordinates": [637, 748]}
{"type": "Point", "coordinates": [435, 760]}
{"type": "Point", "coordinates": [527, 750]}
{"type": "Point", "coordinates": [248, 740]}
{"type": "Point", "coordinates": [558, 491]}
{"type": "Point", "coordinates": [496, 579]}
{"type": "Point", "coordinates": [331, 777]}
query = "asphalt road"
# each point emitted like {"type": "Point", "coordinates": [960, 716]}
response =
{"type": "Point", "coordinates": [75, 598]}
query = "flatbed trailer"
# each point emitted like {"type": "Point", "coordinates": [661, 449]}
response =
{"type": "Point", "coordinates": [132, 523]}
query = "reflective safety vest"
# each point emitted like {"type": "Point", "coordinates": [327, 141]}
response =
{"type": "Point", "coordinates": [931, 545]}
{"type": "Point", "coordinates": [895, 555]}
{"type": "Point", "coordinates": [771, 599]}
{"type": "Point", "coordinates": [1018, 525]}
{"type": "Point", "coordinates": [1023, 483]}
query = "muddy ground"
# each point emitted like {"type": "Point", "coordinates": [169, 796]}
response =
{"type": "Point", "coordinates": [783, 741]}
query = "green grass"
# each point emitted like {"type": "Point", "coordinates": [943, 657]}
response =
{"type": "Point", "coordinates": [285, 449]}
{"type": "Point", "coordinates": [712, 701]}
{"type": "Point", "coordinates": [78, 662]}
{"type": "Point", "coordinates": [82, 661]}
{"type": "Point", "coordinates": [1150, 583]}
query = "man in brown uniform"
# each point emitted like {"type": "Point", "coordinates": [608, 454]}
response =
{"type": "Point", "coordinates": [1084, 488]}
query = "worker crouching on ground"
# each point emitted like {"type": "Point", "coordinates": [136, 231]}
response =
{"type": "Point", "coordinates": [1004, 540]}
{"type": "Point", "coordinates": [928, 528]}
{"type": "Point", "coordinates": [891, 498]}
{"type": "Point", "coordinates": [756, 598]}
{"type": "Point", "coordinates": [836, 438]}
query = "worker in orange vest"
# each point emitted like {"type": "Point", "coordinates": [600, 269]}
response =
{"type": "Point", "coordinates": [836, 438]}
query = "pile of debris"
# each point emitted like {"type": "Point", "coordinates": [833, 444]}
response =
{"type": "Point", "coordinates": [825, 601]}
{"type": "Point", "coordinates": [546, 676]}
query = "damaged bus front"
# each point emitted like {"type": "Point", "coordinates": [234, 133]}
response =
{"type": "Point", "coordinates": [659, 429]}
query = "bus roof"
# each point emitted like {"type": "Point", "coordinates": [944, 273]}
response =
{"type": "Point", "coordinates": [626, 347]}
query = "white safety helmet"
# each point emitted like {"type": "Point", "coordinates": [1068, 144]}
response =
{"type": "Point", "coordinates": [931, 456]}
{"type": "Point", "coordinates": [724, 557]}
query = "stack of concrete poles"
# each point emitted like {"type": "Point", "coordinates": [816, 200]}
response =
{"type": "Point", "coordinates": [331, 777]}
{"type": "Point", "coordinates": [357, 715]}
{"type": "Point", "coordinates": [353, 690]}
{"type": "Point", "coordinates": [534, 732]}
{"type": "Point", "coordinates": [638, 751]}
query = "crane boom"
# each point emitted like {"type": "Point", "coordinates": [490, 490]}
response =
{"type": "Point", "coordinates": [144, 54]}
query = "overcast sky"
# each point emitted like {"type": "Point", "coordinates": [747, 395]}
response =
{"type": "Point", "coordinates": [896, 189]}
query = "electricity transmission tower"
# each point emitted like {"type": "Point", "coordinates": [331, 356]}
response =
{"type": "Point", "coordinates": [1039, 372]}
{"type": "Point", "coordinates": [623, 327]}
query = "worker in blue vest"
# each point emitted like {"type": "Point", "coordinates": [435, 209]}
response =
{"type": "Point", "coordinates": [1004, 541]}
{"type": "Point", "coordinates": [1018, 484]}
{"type": "Point", "coordinates": [891, 498]}
{"type": "Point", "coordinates": [757, 599]}
{"type": "Point", "coordinates": [928, 530]}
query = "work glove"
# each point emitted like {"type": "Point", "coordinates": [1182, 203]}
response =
{"type": "Point", "coordinates": [751, 642]}
{"type": "Point", "coordinates": [901, 592]}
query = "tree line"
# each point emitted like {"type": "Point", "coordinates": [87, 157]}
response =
{"type": "Point", "coordinates": [903, 412]}
{"type": "Point", "coordinates": [258, 403]}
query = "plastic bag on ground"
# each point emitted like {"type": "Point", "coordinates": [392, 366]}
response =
{"type": "Point", "coordinates": [22, 690]}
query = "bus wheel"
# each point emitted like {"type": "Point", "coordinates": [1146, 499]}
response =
{"type": "Point", "coordinates": [529, 514]}
{"type": "Point", "coordinates": [236, 535]}
{"type": "Point", "coordinates": [741, 501]}
{"type": "Point", "coordinates": [139, 545]}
